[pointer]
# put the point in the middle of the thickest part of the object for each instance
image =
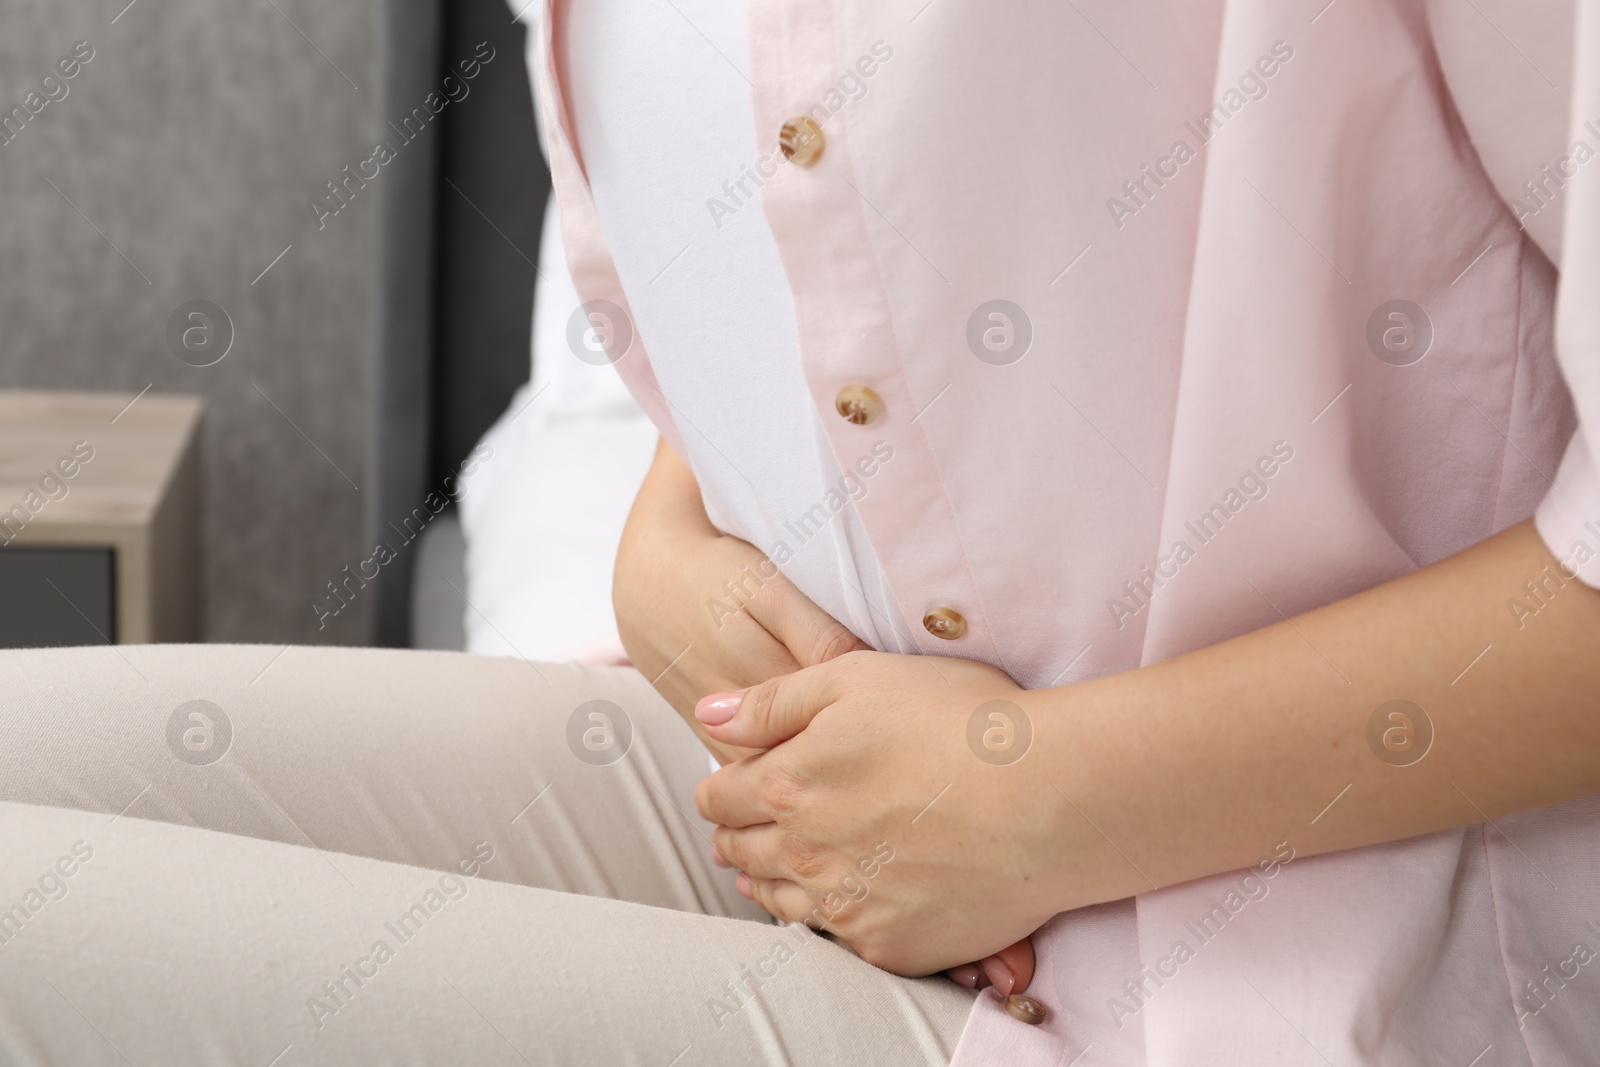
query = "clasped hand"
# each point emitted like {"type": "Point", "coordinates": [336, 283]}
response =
{"type": "Point", "coordinates": [869, 814]}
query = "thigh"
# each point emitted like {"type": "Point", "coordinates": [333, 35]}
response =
{"type": "Point", "coordinates": [553, 775]}
{"type": "Point", "coordinates": [126, 940]}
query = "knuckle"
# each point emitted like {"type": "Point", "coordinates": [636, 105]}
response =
{"type": "Point", "coordinates": [805, 858]}
{"type": "Point", "coordinates": [782, 795]}
{"type": "Point", "coordinates": [758, 703]}
{"type": "Point", "coordinates": [833, 642]}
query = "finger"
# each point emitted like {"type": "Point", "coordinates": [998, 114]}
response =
{"type": "Point", "coordinates": [968, 976]}
{"type": "Point", "coordinates": [745, 650]}
{"type": "Point", "coordinates": [811, 635]}
{"type": "Point", "coordinates": [755, 850]}
{"type": "Point", "coordinates": [781, 899]}
{"type": "Point", "coordinates": [1020, 959]}
{"type": "Point", "coordinates": [1011, 969]}
{"type": "Point", "coordinates": [775, 710]}
{"type": "Point", "coordinates": [736, 794]}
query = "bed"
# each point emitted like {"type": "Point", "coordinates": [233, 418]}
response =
{"type": "Point", "coordinates": [521, 566]}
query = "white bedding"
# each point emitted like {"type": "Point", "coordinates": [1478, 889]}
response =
{"type": "Point", "coordinates": [544, 512]}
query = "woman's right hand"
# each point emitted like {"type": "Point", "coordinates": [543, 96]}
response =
{"type": "Point", "coordinates": [702, 612]}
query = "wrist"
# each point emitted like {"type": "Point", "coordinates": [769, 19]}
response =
{"type": "Point", "coordinates": [1084, 772]}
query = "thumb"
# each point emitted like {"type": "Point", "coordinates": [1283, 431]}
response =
{"type": "Point", "coordinates": [770, 713]}
{"type": "Point", "coordinates": [810, 634]}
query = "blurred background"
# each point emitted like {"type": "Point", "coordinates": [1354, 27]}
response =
{"type": "Point", "coordinates": [286, 271]}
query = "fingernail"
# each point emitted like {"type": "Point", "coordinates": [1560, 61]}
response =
{"type": "Point", "coordinates": [718, 858]}
{"type": "Point", "coordinates": [965, 976]}
{"type": "Point", "coordinates": [718, 708]}
{"type": "Point", "coordinates": [999, 975]}
{"type": "Point", "coordinates": [742, 884]}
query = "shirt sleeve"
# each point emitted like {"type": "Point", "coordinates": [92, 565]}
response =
{"type": "Point", "coordinates": [1568, 518]}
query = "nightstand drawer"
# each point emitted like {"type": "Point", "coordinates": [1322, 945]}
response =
{"type": "Point", "coordinates": [57, 596]}
{"type": "Point", "coordinates": [100, 495]}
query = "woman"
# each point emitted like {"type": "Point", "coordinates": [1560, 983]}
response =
{"type": "Point", "coordinates": [1162, 392]}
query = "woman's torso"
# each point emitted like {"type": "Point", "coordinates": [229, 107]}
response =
{"type": "Point", "coordinates": [1196, 411]}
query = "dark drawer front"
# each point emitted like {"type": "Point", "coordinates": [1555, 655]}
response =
{"type": "Point", "coordinates": [57, 596]}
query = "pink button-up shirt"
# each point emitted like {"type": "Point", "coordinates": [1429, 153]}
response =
{"type": "Point", "coordinates": [1186, 316]}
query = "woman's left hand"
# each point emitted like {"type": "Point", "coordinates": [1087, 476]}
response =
{"type": "Point", "coordinates": [894, 808]}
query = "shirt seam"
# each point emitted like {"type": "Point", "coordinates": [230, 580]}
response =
{"type": "Point", "coordinates": [1499, 939]}
{"type": "Point", "coordinates": [1506, 446]}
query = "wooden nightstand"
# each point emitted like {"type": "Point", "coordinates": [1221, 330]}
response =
{"type": "Point", "coordinates": [99, 518]}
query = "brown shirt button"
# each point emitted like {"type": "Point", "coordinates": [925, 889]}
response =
{"type": "Point", "coordinates": [858, 404]}
{"type": "Point", "coordinates": [945, 623]}
{"type": "Point", "coordinates": [801, 141]}
{"type": "Point", "coordinates": [1027, 1009]}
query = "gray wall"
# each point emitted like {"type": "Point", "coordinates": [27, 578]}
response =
{"type": "Point", "coordinates": [193, 141]}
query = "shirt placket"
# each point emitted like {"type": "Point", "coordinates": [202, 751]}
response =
{"type": "Point", "coordinates": [850, 356]}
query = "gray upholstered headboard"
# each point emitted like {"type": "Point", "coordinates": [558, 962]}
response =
{"type": "Point", "coordinates": [487, 205]}
{"type": "Point", "coordinates": [491, 198]}
{"type": "Point", "coordinates": [492, 191]}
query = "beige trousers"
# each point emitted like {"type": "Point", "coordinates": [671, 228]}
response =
{"type": "Point", "coordinates": [237, 854]}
